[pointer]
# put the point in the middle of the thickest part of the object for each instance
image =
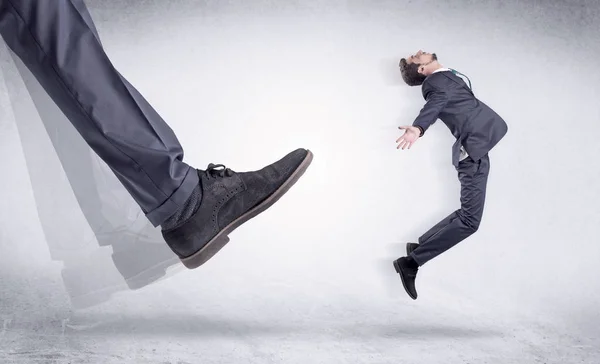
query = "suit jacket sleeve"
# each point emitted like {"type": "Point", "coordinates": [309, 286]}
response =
{"type": "Point", "coordinates": [436, 100]}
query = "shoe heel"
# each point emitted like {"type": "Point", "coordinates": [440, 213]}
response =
{"type": "Point", "coordinates": [208, 251]}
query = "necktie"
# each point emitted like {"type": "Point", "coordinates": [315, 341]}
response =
{"type": "Point", "coordinates": [461, 74]}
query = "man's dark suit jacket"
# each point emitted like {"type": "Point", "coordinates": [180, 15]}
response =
{"type": "Point", "coordinates": [475, 125]}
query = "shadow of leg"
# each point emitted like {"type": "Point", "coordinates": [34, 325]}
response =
{"type": "Point", "coordinates": [140, 254]}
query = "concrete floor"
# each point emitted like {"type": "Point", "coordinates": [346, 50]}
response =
{"type": "Point", "coordinates": [256, 318]}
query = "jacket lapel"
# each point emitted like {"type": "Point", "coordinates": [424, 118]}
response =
{"type": "Point", "coordinates": [453, 77]}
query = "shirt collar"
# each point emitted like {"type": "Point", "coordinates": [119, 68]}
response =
{"type": "Point", "coordinates": [440, 70]}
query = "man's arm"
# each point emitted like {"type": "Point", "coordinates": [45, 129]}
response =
{"type": "Point", "coordinates": [436, 101]}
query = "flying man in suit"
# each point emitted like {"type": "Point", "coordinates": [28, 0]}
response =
{"type": "Point", "coordinates": [477, 129]}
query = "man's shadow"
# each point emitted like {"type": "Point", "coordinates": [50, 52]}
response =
{"type": "Point", "coordinates": [186, 325]}
{"type": "Point", "coordinates": [389, 70]}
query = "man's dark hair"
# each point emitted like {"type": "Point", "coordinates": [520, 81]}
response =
{"type": "Point", "coordinates": [410, 72]}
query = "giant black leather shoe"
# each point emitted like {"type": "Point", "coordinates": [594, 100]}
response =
{"type": "Point", "coordinates": [229, 199]}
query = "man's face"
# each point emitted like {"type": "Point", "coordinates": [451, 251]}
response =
{"type": "Point", "coordinates": [421, 58]}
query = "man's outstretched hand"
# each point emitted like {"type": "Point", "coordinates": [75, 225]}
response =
{"type": "Point", "coordinates": [411, 134]}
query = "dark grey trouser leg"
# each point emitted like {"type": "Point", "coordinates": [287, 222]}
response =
{"type": "Point", "coordinates": [57, 45]}
{"type": "Point", "coordinates": [107, 206]}
{"type": "Point", "coordinates": [463, 222]}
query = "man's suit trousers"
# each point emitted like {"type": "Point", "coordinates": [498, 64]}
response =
{"type": "Point", "coordinates": [57, 41]}
{"type": "Point", "coordinates": [462, 223]}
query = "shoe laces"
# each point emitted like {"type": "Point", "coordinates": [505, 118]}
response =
{"type": "Point", "coordinates": [218, 170]}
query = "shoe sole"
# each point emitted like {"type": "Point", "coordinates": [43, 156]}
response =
{"type": "Point", "coordinates": [399, 271]}
{"type": "Point", "coordinates": [222, 238]}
